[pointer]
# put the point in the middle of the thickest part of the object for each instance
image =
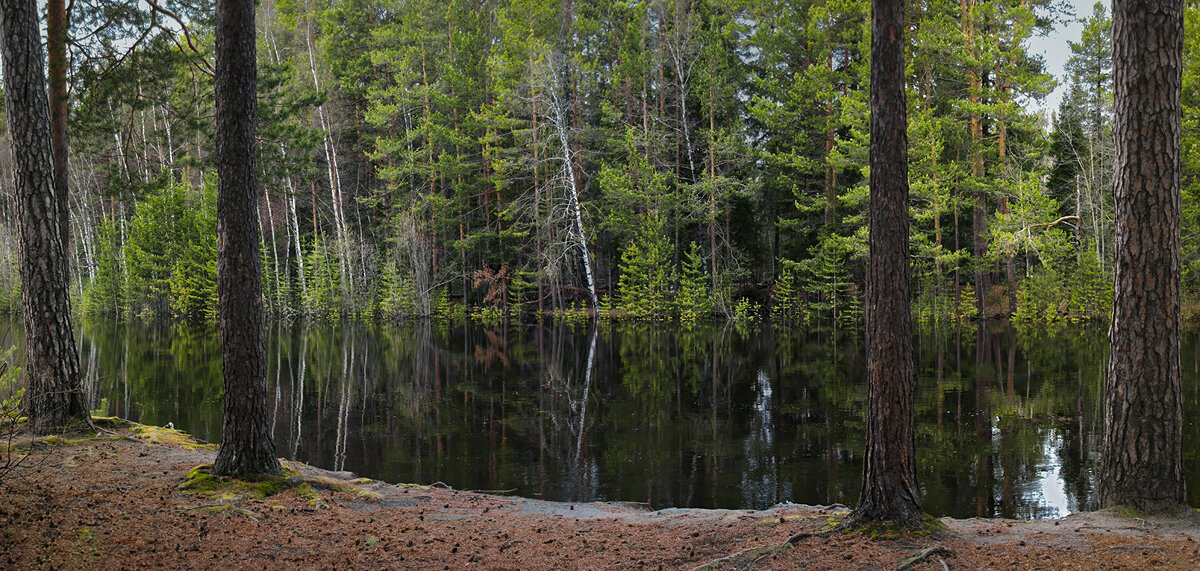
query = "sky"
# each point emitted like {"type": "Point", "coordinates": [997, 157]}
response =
{"type": "Point", "coordinates": [1055, 50]}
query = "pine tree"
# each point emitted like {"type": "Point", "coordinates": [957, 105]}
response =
{"type": "Point", "coordinates": [1142, 461]}
{"type": "Point", "coordinates": [246, 447]}
{"type": "Point", "coordinates": [54, 394]}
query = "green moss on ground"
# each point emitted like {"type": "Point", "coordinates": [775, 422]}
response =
{"type": "Point", "coordinates": [169, 436]}
{"type": "Point", "coordinates": [201, 481]}
{"type": "Point", "coordinates": [889, 530]}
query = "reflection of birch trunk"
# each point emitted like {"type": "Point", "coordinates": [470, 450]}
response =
{"type": "Point", "coordinates": [583, 401]}
{"type": "Point", "coordinates": [91, 379]}
{"type": "Point", "coordinates": [125, 372]}
{"type": "Point", "coordinates": [298, 394]}
{"type": "Point", "coordinates": [559, 121]}
{"type": "Point", "coordinates": [339, 447]}
{"type": "Point", "coordinates": [278, 381]}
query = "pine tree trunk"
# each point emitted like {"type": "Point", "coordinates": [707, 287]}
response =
{"type": "Point", "coordinates": [246, 446]}
{"type": "Point", "coordinates": [54, 394]}
{"type": "Point", "coordinates": [1142, 462]}
{"type": "Point", "coordinates": [979, 212]}
{"type": "Point", "coordinates": [57, 25]}
{"type": "Point", "coordinates": [889, 489]}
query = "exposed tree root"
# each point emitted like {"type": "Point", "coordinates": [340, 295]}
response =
{"type": "Point", "coordinates": [876, 530]}
{"type": "Point", "coordinates": [495, 492]}
{"type": "Point", "coordinates": [748, 557]}
{"type": "Point", "coordinates": [91, 422]}
{"type": "Point", "coordinates": [926, 554]}
{"type": "Point", "coordinates": [222, 506]}
{"type": "Point", "coordinates": [745, 558]}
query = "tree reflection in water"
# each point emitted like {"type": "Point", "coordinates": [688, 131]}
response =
{"type": "Point", "coordinates": [706, 416]}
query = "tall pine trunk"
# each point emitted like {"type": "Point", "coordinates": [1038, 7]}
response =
{"type": "Point", "coordinates": [54, 395]}
{"type": "Point", "coordinates": [889, 488]}
{"type": "Point", "coordinates": [1142, 462]}
{"type": "Point", "coordinates": [246, 446]}
{"type": "Point", "coordinates": [57, 24]}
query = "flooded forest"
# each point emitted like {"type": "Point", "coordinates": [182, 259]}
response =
{"type": "Point", "coordinates": [597, 250]}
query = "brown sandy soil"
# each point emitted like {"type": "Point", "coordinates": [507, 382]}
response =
{"type": "Point", "coordinates": [108, 503]}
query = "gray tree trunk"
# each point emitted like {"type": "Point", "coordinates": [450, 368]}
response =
{"type": "Point", "coordinates": [54, 395]}
{"type": "Point", "coordinates": [246, 446]}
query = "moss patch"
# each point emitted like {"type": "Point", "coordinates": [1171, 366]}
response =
{"type": "Point", "coordinates": [110, 422]}
{"type": "Point", "coordinates": [889, 530]}
{"type": "Point", "coordinates": [25, 443]}
{"type": "Point", "coordinates": [201, 481]}
{"type": "Point", "coordinates": [168, 436]}
{"type": "Point", "coordinates": [315, 499]}
{"type": "Point", "coordinates": [1124, 511]}
{"type": "Point", "coordinates": [325, 483]}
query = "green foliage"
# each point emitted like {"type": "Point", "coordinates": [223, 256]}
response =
{"type": "Point", "coordinates": [10, 393]}
{"type": "Point", "coordinates": [1090, 290]}
{"type": "Point", "coordinates": [646, 272]}
{"type": "Point", "coordinates": [444, 309]}
{"type": "Point", "coordinates": [1039, 298]}
{"type": "Point", "coordinates": [966, 307]}
{"type": "Point", "coordinates": [1191, 149]}
{"type": "Point", "coordinates": [193, 284]}
{"type": "Point", "coordinates": [789, 297]}
{"type": "Point", "coordinates": [1074, 292]}
{"type": "Point", "coordinates": [172, 253]}
{"type": "Point", "coordinates": [692, 301]}
{"type": "Point", "coordinates": [106, 293]}
{"type": "Point", "coordinates": [746, 311]}
{"type": "Point", "coordinates": [835, 294]}
{"type": "Point", "coordinates": [324, 296]}
{"type": "Point", "coordinates": [427, 141]}
{"type": "Point", "coordinates": [397, 293]}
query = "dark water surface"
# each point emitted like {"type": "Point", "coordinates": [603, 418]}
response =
{"type": "Point", "coordinates": [1008, 423]}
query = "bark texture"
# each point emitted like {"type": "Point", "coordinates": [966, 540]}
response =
{"type": "Point", "coordinates": [1142, 462]}
{"type": "Point", "coordinates": [889, 489]}
{"type": "Point", "coordinates": [54, 394]}
{"type": "Point", "coordinates": [57, 24]}
{"type": "Point", "coordinates": [246, 446]}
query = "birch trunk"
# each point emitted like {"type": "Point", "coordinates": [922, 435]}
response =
{"type": "Point", "coordinates": [560, 126]}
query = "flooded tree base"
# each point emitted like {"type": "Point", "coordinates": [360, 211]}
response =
{"type": "Point", "coordinates": [106, 502]}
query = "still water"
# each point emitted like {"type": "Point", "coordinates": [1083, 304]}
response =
{"type": "Point", "coordinates": [1008, 423]}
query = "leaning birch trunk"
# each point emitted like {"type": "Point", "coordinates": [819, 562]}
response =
{"type": "Point", "coordinates": [560, 126]}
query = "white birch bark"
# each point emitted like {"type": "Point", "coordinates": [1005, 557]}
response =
{"type": "Point", "coordinates": [560, 127]}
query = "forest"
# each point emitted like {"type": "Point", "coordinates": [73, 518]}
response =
{"type": "Point", "coordinates": [639, 160]}
{"type": "Point", "coordinates": [642, 162]}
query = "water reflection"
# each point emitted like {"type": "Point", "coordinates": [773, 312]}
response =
{"type": "Point", "coordinates": [1008, 423]}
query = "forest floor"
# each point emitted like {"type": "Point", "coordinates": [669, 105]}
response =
{"type": "Point", "coordinates": [102, 502]}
